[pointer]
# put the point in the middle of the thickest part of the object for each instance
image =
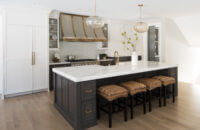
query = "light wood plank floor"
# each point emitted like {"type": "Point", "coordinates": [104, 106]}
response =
{"type": "Point", "coordinates": [36, 112]}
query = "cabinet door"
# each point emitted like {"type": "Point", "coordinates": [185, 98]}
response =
{"type": "Point", "coordinates": [41, 64]}
{"type": "Point", "coordinates": [18, 59]}
{"type": "Point", "coordinates": [153, 44]}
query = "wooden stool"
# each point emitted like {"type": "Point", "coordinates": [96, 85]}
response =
{"type": "Point", "coordinates": [152, 84]}
{"type": "Point", "coordinates": [133, 89]}
{"type": "Point", "coordinates": [167, 81]}
{"type": "Point", "coordinates": [111, 93]}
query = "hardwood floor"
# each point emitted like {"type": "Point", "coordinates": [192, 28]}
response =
{"type": "Point", "coordinates": [37, 112]}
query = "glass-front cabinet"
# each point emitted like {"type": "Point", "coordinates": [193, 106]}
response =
{"type": "Point", "coordinates": [154, 43]}
{"type": "Point", "coordinates": [53, 34]}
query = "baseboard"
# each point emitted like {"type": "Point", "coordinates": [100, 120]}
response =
{"type": "Point", "coordinates": [25, 93]}
{"type": "Point", "coordinates": [40, 90]}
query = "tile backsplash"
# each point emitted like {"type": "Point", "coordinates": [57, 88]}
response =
{"type": "Point", "coordinates": [81, 50]}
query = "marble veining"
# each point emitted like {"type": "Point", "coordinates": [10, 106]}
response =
{"type": "Point", "coordinates": [93, 72]}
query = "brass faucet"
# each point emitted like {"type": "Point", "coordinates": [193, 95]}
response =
{"type": "Point", "coordinates": [116, 55]}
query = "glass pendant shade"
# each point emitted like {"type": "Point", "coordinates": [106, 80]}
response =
{"type": "Point", "coordinates": [95, 22]}
{"type": "Point", "coordinates": [141, 27]}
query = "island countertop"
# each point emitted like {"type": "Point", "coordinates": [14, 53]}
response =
{"type": "Point", "coordinates": [93, 72]}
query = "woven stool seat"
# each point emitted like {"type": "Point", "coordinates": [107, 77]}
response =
{"type": "Point", "coordinates": [151, 83]}
{"type": "Point", "coordinates": [134, 87]}
{"type": "Point", "coordinates": [112, 92]}
{"type": "Point", "coordinates": [165, 80]}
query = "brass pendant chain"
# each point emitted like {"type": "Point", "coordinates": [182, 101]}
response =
{"type": "Point", "coordinates": [95, 8]}
{"type": "Point", "coordinates": [140, 6]}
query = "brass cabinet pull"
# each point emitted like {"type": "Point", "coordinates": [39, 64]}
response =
{"type": "Point", "coordinates": [88, 111]}
{"type": "Point", "coordinates": [33, 58]}
{"type": "Point", "coordinates": [88, 91]}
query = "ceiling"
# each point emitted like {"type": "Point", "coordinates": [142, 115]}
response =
{"type": "Point", "coordinates": [120, 9]}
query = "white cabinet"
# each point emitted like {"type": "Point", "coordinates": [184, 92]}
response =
{"type": "Point", "coordinates": [40, 78]}
{"type": "Point", "coordinates": [24, 36]}
{"type": "Point", "coordinates": [18, 59]}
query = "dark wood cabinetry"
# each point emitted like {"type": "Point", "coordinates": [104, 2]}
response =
{"type": "Point", "coordinates": [153, 44]}
{"type": "Point", "coordinates": [51, 73]}
{"type": "Point", "coordinates": [76, 101]}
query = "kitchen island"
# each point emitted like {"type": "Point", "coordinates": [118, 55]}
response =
{"type": "Point", "coordinates": [75, 87]}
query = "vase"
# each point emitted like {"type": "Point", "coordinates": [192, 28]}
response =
{"type": "Point", "coordinates": [134, 58]}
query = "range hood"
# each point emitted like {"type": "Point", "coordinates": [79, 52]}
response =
{"type": "Point", "coordinates": [74, 29]}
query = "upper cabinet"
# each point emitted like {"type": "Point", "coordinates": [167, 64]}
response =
{"type": "Point", "coordinates": [73, 28]}
{"type": "Point", "coordinates": [53, 34]}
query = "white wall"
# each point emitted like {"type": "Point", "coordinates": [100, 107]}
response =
{"type": "Point", "coordinates": [182, 47]}
{"type": "Point", "coordinates": [190, 28]}
{"type": "Point", "coordinates": [116, 27]}
{"type": "Point", "coordinates": [1, 55]}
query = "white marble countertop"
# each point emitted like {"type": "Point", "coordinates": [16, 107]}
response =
{"type": "Point", "coordinates": [59, 63]}
{"type": "Point", "coordinates": [93, 72]}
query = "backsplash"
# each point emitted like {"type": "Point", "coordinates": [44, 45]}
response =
{"type": "Point", "coordinates": [80, 50]}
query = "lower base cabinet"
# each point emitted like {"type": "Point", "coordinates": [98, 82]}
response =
{"type": "Point", "coordinates": [76, 101]}
{"type": "Point", "coordinates": [51, 73]}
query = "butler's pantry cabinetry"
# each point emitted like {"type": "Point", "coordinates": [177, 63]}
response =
{"type": "Point", "coordinates": [53, 34]}
{"type": "Point", "coordinates": [26, 52]}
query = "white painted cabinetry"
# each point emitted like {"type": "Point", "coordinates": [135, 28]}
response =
{"type": "Point", "coordinates": [18, 59]}
{"type": "Point", "coordinates": [26, 32]}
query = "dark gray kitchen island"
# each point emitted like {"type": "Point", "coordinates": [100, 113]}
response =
{"type": "Point", "coordinates": [75, 87]}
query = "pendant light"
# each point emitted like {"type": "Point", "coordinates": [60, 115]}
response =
{"type": "Point", "coordinates": [140, 26]}
{"type": "Point", "coordinates": [95, 21]}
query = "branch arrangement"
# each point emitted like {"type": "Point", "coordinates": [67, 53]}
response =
{"type": "Point", "coordinates": [128, 42]}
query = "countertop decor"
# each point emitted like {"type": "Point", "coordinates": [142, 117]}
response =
{"type": "Point", "coordinates": [129, 44]}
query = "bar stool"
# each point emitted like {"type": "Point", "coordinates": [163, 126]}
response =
{"type": "Point", "coordinates": [152, 84]}
{"type": "Point", "coordinates": [111, 93]}
{"type": "Point", "coordinates": [133, 89]}
{"type": "Point", "coordinates": [167, 81]}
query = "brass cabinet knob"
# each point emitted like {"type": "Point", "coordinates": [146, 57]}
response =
{"type": "Point", "coordinates": [88, 91]}
{"type": "Point", "coordinates": [88, 111]}
{"type": "Point", "coordinates": [33, 58]}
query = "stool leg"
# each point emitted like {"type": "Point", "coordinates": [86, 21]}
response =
{"type": "Point", "coordinates": [165, 94]}
{"type": "Point", "coordinates": [173, 92]}
{"type": "Point", "coordinates": [144, 102]}
{"type": "Point", "coordinates": [149, 100]}
{"type": "Point", "coordinates": [160, 96]}
{"type": "Point", "coordinates": [113, 106]}
{"type": "Point", "coordinates": [131, 102]}
{"type": "Point", "coordinates": [136, 101]}
{"type": "Point", "coordinates": [110, 114]}
{"type": "Point", "coordinates": [125, 109]}
{"type": "Point", "coordinates": [97, 105]}
{"type": "Point", "coordinates": [118, 101]}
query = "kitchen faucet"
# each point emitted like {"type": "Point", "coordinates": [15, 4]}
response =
{"type": "Point", "coordinates": [116, 55]}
